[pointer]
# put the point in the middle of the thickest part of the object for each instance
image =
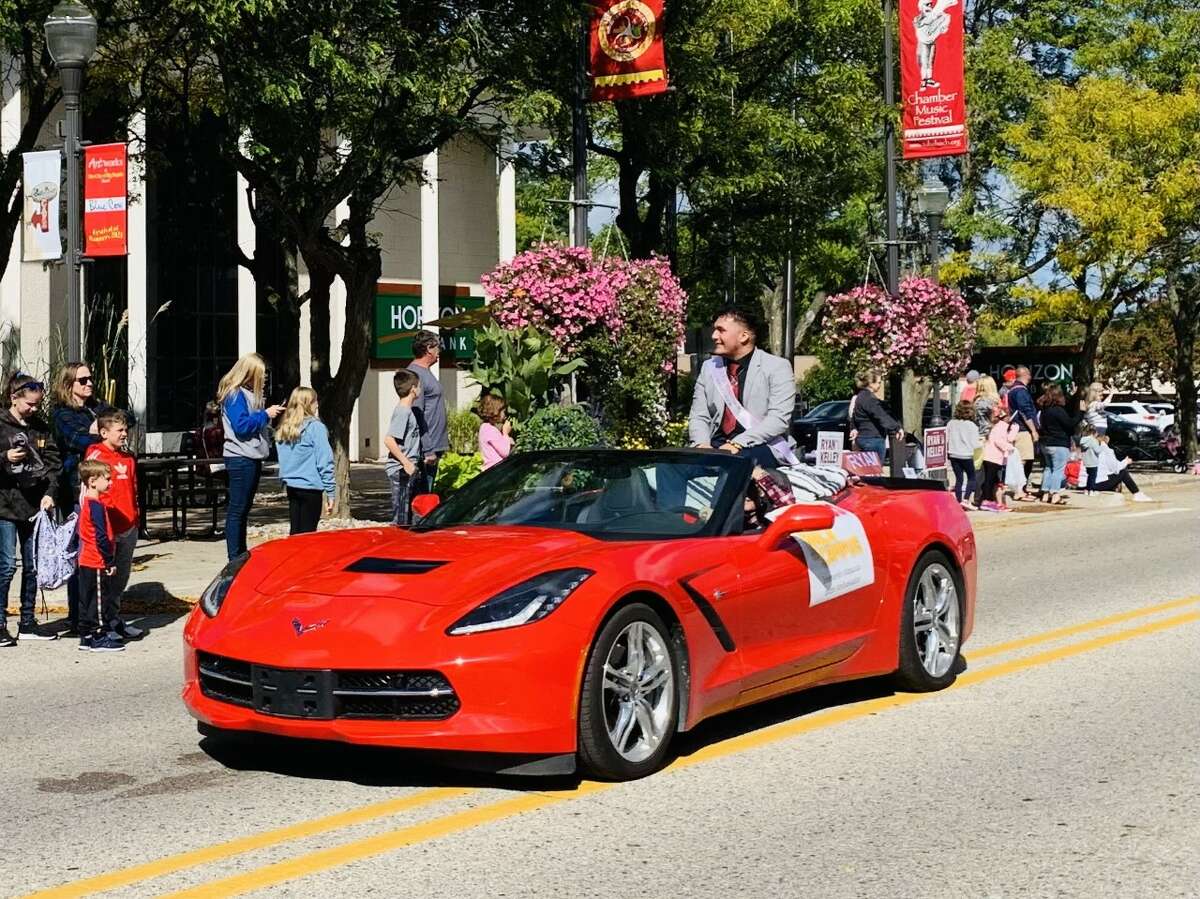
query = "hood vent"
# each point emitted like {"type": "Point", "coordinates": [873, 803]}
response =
{"type": "Point", "coordinates": [376, 565]}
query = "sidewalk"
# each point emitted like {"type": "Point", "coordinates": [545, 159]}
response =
{"type": "Point", "coordinates": [170, 575]}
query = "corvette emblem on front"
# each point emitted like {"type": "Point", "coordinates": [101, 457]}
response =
{"type": "Point", "coordinates": [302, 629]}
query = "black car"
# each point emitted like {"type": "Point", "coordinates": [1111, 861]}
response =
{"type": "Point", "coordinates": [1141, 443]}
{"type": "Point", "coordinates": [833, 415]}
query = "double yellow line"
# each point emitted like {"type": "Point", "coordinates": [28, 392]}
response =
{"type": "Point", "coordinates": [456, 822]}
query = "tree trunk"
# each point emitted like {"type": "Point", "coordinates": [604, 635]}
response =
{"type": "Point", "coordinates": [772, 307]}
{"type": "Point", "coordinates": [1185, 321]}
{"type": "Point", "coordinates": [916, 390]}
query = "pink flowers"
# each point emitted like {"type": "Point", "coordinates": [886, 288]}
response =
{"type": "Point", "coordinates": [926, 327]}
{"type": "Point", "coordinates": [570, 295]}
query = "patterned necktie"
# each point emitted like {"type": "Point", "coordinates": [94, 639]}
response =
{"type": "Point", "coordinates": [729, 420]}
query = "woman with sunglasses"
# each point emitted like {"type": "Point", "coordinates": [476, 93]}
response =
{"type": "Point", "coordinates": [29, 474]}
{"type": "Point", "coordinates": [75, 430]}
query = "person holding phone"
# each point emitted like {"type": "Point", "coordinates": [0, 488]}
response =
{"type": "Point", "coordinates": [247, 442]}
{"type": "Point", "coordinates": [29, 474]}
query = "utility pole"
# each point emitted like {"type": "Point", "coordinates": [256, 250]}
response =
{"type": "Point", "coordinates": [579, 142]}
{"type": "Point", "coordinates": [893, 227]}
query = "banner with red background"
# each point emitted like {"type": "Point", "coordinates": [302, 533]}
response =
{"type": "Point", "coordinates": [104, 200]}
{"type": "Point", "coordinates": [625, 49]}
{"type": "Point", "coordinates": [931, 78]}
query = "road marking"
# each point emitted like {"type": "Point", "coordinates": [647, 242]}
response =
{"type": "Point", "coordinates": [1070, 631]}
{"type": "Point", "coordinates": [338, 856]}
{"type": "Point", "coordinates": [220, 851]}
{"type": "Point", "coordinates": [1150, 512]}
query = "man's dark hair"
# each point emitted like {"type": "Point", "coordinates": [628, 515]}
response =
{"type": "Point", "coordinates": [423, 342]}
{"type": "Point", "coordinates": [743, 317]}
{"type": "Point", "coordinates": [404, 381]}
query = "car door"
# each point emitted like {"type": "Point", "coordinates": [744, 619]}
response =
{"type": "Point", "coordinates": [783, 627]}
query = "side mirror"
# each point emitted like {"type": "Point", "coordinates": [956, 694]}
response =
{"type": "Point", "coordinates": [795, 520]}
{"type": "Point", "coordinates": [424, 503]}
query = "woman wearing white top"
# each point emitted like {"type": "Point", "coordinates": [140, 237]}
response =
{"type": "Point", "coordinates": [1095, 407]}
{"type": "Point", "coordinates": [1113, 474]}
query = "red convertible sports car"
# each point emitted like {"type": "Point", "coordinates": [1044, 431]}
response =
{"type": "Point", "coordinates": [582, 606]}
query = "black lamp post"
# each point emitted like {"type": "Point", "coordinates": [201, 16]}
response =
{"type": "Point", "coordinates": [932, 200]}
{"type": "Point", "coordinates": [71, 40]}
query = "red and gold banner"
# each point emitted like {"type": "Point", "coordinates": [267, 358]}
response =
{"type": "Point", "coordinates": [625, 50]}
{"type": "Point", "coordinates": [104, 198]}
{"type": "Point", "coordinates": [931, 78]}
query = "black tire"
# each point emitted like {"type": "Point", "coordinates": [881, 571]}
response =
{"type": "Point", "coordinates": [597, 754]}
{"type": "Point", "coordinates": [912, 674]}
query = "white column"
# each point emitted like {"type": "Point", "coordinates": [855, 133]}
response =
{"type": "Point", "coordinates": [430, 251]}
{"type": "Point", "coordinates": [247, 295]}
{"type": "Point", "coordinates": [506, 205]}
{"type": "Point", "coordinates": [137, 273]}
{"type": "Point", "coordinates": [303, 282]}
{"type": "Point", "coordinates": [10, 287]}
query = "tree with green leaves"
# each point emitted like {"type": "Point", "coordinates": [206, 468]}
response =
{"type": "Point", "coordinates": [327, 107]}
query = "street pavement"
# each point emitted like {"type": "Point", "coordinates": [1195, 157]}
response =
{"type": "Point", "coordinates": [1063, 763]}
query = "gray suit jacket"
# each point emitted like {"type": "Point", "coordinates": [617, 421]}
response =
{"type": "Point", "coordinates": [770, 396]}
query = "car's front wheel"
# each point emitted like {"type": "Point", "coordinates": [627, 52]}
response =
{"type": "Point", "coordinates": [930, 626]}
{"type": "Point", "coordinates": [629, 701]}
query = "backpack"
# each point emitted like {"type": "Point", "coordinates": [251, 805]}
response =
{"type": "Point", "coordinates": [55, 549]}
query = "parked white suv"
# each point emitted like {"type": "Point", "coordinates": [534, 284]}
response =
{"type": "Point", "coordinates": [1141, 413]}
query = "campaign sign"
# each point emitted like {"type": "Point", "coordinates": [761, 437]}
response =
{"type": "Point", "coordinates": [863, 464]}
{"type": "Point", "coordinates": [935, 448]}
{"type": "Point", "coordinates": [829, 447]}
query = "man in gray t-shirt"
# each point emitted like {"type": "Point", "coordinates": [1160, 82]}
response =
{"type": "Point", "coordinates": [430, 408]}
{"type": "Point", "coordinates": [403, 443]}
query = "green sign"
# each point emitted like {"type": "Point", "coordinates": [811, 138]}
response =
{"type": "Point", "coordinates": [398, 318]}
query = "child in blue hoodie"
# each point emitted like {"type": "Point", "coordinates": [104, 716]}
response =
{"type": "Point", "coordinates": [305, 461]}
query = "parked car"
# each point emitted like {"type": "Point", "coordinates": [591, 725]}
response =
{"type": "Point", "coordinates": [833, 415]}
{"type": "Point", "coordinates": [1140, 442]}
{"type": "Point", "coordinates": [1139, 413]}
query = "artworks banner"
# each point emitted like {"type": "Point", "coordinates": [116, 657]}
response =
{"type": "Point", "coordinates": [931, 78]}
{"type": "Point", "coordinates": [104, 200]}
{"type": "Point", "coordinates": [625, 49]}
{"type": "Point", "coordinates": [41, 229]}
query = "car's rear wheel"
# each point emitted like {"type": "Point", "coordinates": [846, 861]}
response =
{"type": "Point", "coordinates": [930, 625]}
{"type": "Point", "coordinates": [629, 701]}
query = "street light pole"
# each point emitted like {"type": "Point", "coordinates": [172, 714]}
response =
{"type": "Point", "coordinates": [932, 200]}
{"type": "Point", "coordinates": [71, 39]}
{"type": "Point", "coordinates": [579, 141]}
{"type": "Point", "coordinates": [892, 225]}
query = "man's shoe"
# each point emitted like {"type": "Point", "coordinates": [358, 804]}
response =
{"type": "Point", "coordinates": [1141, 498]}
{"type": "Point", "coordinates": [85, 642]}
{"type": "Point", "coordinates": [106, 643]}
{"type": "Point", "coordinates": [71, 632]}
{"type": "Point", "coordinates": [7, 639]}
{"type": "Point", "coordinates": [128, 631]}
{"type": "Point", "coordinates": [35, 632]}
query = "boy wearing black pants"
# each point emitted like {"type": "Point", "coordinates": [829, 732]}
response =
{"type": "Point", "coordinates": [98, 601]}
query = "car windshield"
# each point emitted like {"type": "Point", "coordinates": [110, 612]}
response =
{"type": "Point", "coordinates": [602, 493]}
{"type": "Point", "coordinates": [831, 409]}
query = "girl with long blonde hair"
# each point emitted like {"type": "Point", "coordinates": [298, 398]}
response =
{"type": "Point", "coordinates": [305, 460]}
{"type": "Point", "coordinates": [247, 442]}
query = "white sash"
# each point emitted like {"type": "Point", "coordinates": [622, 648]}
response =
{"type": "Point", "coordinates": [780, 447]}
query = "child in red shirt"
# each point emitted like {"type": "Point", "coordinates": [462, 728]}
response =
{"type": "Point", "coordinates": [122, 505]}
{"type": "Point", "coordinates": [97, 562]}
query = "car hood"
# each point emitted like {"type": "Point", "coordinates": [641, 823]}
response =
{"type": "Point", "coordinates": [435, 568]}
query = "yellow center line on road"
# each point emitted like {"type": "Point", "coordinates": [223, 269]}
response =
{"type": "Point", "coordinates": [996, 649]}
{"type": "Point", "coordinates": [172, 863]}
{"type": "Point", "coordinates": [338, 856]}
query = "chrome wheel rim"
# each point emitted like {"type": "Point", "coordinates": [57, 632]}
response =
{"type": "Point", "coordinates": [639, 691]}
{"type": "Point", "coordinates": [935, 620]}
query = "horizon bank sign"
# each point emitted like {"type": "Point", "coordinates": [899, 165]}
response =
{"type": "Point", "coordinates": [398, 318]}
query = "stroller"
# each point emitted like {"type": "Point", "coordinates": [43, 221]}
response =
{"type": "Point", "coordinates": [1172, 444]}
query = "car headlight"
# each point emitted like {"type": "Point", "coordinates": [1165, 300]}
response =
{"type": "Point", "coordinates": [214, 594]}
{"type": "Point", "coordinates": [530, 600]}
{"type": "Point", "coordinates": [1143, 429]}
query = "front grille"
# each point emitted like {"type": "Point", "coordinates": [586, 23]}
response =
{"type": "Point", "coordinates": [325, 693]}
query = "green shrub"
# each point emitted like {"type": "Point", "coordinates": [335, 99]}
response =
{"type": "Point", "coordinates": [559, 427]}
{"type": "Point", "coordinates": [455, 470]}
{"type": "Point", "coordinates": [831, 379]}
{"type": "Point", "coordinates": [463, 426]}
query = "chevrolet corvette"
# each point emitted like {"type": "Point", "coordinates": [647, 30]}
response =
{"type": "Point", "coordinates": [578, 608]}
